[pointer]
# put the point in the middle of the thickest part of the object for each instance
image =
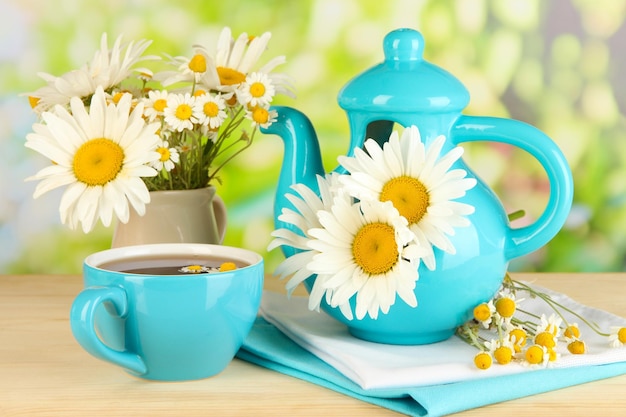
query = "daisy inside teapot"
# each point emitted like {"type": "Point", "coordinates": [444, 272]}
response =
{"type": "Point", "coordinates": [402, 240]}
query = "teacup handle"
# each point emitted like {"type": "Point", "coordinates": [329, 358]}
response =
{"type": "Point", "coordinates": [82, 320]}
{"type": "Point", "coordinates": [523, 240]}
{"type": "Point", "coordinates": [220, 213]}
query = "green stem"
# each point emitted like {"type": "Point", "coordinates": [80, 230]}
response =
{"type": "Point", "coordinates": [556, 307]}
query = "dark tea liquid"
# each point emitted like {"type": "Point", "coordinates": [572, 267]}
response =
{"type": "Point", "coordinates": [166, 265]}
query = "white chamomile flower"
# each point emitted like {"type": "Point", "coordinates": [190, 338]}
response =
{"type": "Point", "coordinates": [144, 74]}
{"type": "Point", "coordinates": [617, 338]}
{"type": "Point", "coordinates": [234, 59]}
{"type": "Point", "coordinates": [518, 337]}
{"type": "Point", "coordinates": [169, 157]}
{"type": "Point", "coordinates": [572, 332]}
{"type": "Point", "coordinates": [551, 324]}
{"type": "Point", "coordinates": [155, 104]}
{"type": "Point", "coordinates": [191, 70]}
{"type": "Point", "coordinates": [100, 154]}
{"type": "Point", "coordinates": [501, 350]}
{"type": "Point", "coordinates": [506, 304]}
{"type": "Point", "coordinates": [261, 117]}
{"type": "Point", "coordinates": [257, 90]}
{"type": "Point", "coordinates": [536, 356]}
{"type": "Point", "coordinates": [295, 234]}
{"type": "Point", "coordinates": [209, 110]}
{"type": "Point", "coordinates": [419, 183]}
{"type": "Point", "coordinates": [194, 269]}
{"type": "Point", "coordinates": [365, 249]}
{"type": "Point", "coordinates": [107, 69]}
{"type": "Point", "coordinates": [483, 313]}
{"type": "Point", "coordinates": [179, 112]}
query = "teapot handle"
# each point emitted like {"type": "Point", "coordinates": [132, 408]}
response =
{"type": "Point", "coordinates": [524, 240]}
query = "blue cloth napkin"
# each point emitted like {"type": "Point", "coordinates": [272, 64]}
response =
{"type": "Point", "coordinates": [269, 347]}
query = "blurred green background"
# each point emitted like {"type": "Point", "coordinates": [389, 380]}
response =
{"type": "Point", "coordinates": [557, 64]}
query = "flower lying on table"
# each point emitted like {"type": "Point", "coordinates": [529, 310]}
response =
{"type": "Point", "coordinates": [500, 334]}
{"type": "Point", "coordinates": [114, 131]}
{"type": "Point", "coordinates": [367, 232]}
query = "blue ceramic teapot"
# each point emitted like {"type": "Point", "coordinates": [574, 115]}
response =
{"type": "Point", "coordinates": [407, 90]}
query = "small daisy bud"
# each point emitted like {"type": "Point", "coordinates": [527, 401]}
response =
{"type": "Point", "coordinates": [482, 312]}
{"type": "Point", "coordinates": [577, 347]}
{"type": "Point", "coordinates": [505, 307]}
{"type": "Point", "coordinates": [545, 339]}
{"type": "Point", "coordinates": [572, 332]}
{"type": "Point", "coordinates": [482, 360]}
{"type": "Point", "coordinates": [503, 355]}
{"type": "Point", "coordinates": [518, 338]}
{"type": "Point", "coordinates": [198, 63]}
{"type": "Point", "coordinates": [534, 354]}
{"type": "Point", "coordinates": [228, 266]}
{"type": "Point", "coordinates": [260, 115]}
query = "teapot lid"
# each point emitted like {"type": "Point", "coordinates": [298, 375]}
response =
{"type": "Point", "coordinates": [404, 82]}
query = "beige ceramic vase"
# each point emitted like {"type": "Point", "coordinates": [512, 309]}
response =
{"type": "Point", "coordinates": [176, 216]}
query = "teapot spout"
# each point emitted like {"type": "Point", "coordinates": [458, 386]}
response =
{"type": "Point", "coordinates": [302, 160]}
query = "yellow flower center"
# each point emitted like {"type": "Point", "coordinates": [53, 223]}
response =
{"type": "Point", "coordinates": [503, 355]}
{"type": "Point", "coordinates": [118, 96]}
{"type": "Point", "coordinates": [552, 329]}
{"type": "Point", "coordinates": [518, 337]}
{"type": "Point", "coordinates": [257, 89]}
{"type": "Point", "coordinates": [621, 335]}
{"type": "Point", "coordinates": [505, 307]}
{"type": "Point", "coordinates": [228, 266]}
{"type": "Point", "coordinates": [232, 100]}
{"type": "Point", "coordinates": [98, 161]}
{"type": "Point", "coordinates": [577, 347]}
{"type": "Point", "coordinates": [229, 76]}
{"type": "Point", "coordinates": [165, 153]}
{"type": "Point", "coordinates": [160, 104]}
{"type": "Point", "coordinates": [545, 339]}
{"type": "Point", "coordinates": [260, 115]}
{"type": "Point", "coordinates": [33, 101]}
{"type": "Point", "coordinates": [534, 355]}
{"type": "Point", "coordinates": [198, 63]}
{"type": "Point", "coordinates": [374, 248]}
{"type": "Point", "coordinates": [194, 269]}
{"type": "Point", "coordinates": [408, 195]}
{"type": "Point", "coordinates": [482, 312]}
{"type": "Point", "coordinates": [199, 92]}
{"type": "Point", "coordinates": [572, 332]}
{"type": "Point", "coordinates": [183, 112]}
{"type": "Point", "coordinates": [553, 355]}
{"type": "Point", "coordinates": [482, 360]}
{"type": "Point", "coordinates": [211, 109]}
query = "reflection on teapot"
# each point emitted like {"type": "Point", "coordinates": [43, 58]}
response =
{"type": "Point", "coordinates": [406, 90]}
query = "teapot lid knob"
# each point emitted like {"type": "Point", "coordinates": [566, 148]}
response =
{"type": "Point", "coordinates": [403, 45]}
{"type": "Point", "coordinates": [404, 83]}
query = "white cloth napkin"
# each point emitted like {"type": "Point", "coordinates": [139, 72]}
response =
{"type": "Point", "coordinates": [379, 366]}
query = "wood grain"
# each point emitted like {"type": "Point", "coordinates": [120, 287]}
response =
{"type": "Point", "coordinates": [44, 372]}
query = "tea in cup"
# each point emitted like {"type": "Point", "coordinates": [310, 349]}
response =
{"type": "Point", "coordinates": [168, 312]}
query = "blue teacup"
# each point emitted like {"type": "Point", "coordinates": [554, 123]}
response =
{"type": "Point", "coordinates": [175, 327]}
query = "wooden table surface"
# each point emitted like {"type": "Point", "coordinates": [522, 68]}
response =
{"type": "Point", "coordinates": [44, 372]}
